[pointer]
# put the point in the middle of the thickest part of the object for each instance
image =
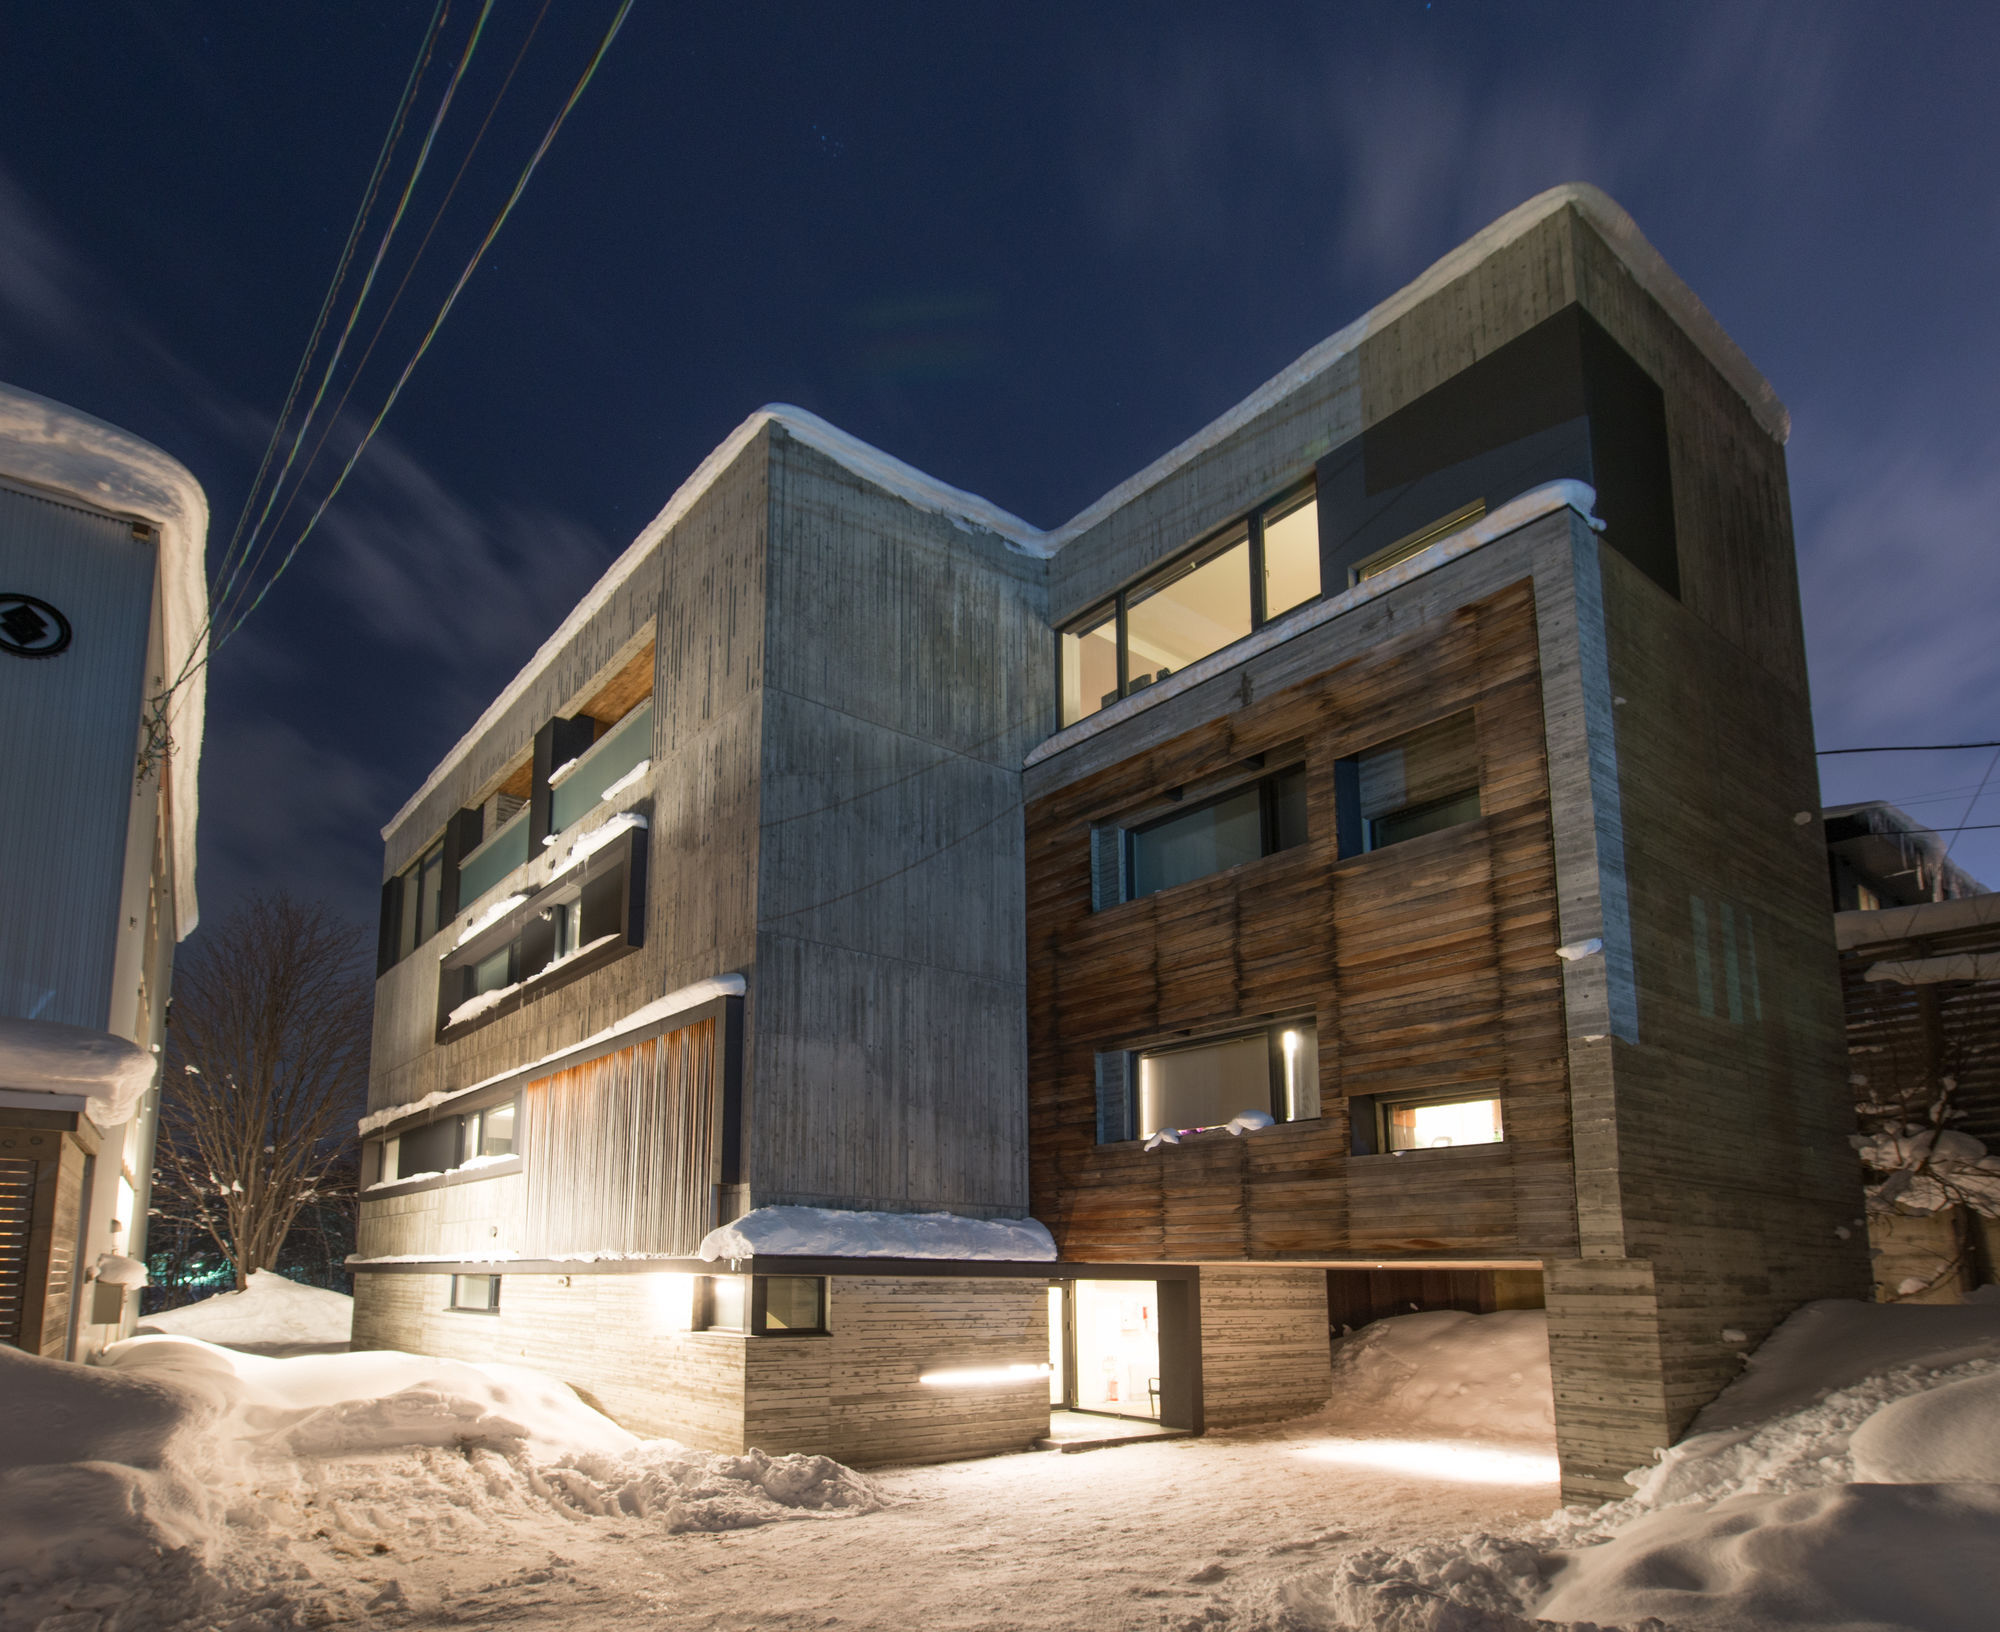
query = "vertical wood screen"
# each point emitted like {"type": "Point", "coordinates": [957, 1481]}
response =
{"type": "Point", "coordinates": [622, 1153]}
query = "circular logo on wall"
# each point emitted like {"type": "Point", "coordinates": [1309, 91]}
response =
{"type": "Point", "coordinates": [30, 627]}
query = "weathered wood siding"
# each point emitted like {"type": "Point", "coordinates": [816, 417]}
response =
{"type": "Point", "coordinates": [1429, 965]}
{"type": "Point", "coordinates": [907, 676]}
{"type": "Point", "coordinates": [1265, 1349]}
{"type": "Point", "coordinates": [853, 1394]}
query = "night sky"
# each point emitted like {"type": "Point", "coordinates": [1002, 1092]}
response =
{"type": "Point", "coordinates": [1025, 247]}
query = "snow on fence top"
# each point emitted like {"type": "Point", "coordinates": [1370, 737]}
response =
{"type": "Point", "coordinates": [826, 1232]}
{"type": "Point", "coordinates": [107, 1073]}
{"type": "Point", "coordinates": [47, 445]}
{"type": "Point", "coordinates": [967, 510]}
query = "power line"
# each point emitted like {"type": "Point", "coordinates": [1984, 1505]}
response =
{"type": "Point", "coordinates": [1912, 748]}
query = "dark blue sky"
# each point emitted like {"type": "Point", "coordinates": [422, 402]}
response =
{"type": "Point", "coordinates": [1026, 247]}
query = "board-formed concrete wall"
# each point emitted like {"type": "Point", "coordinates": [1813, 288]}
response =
{"type": "Point", "coordinates": [854, 1393]}
{"type": "Point", "coordinates": [1265, 1351]}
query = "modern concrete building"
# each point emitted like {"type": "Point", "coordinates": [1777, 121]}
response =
{"type": "Point", "coordinates": [1363, 844]}
{"type": "Point", "coordinates": [102, 600]}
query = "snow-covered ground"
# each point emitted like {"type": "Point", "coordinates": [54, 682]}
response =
{"type": "Point", "coordinates": [271, 1313]}
{"type": "Point", "coordinates": [1849, 1480]}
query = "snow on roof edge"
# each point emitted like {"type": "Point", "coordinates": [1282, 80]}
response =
{"type": "Point", "coordinates": [870, 463]}
{"type": "Point", "coordinates": [1604, 213]}
{"type": "Point", "coordinates": [51, 445]}
{"type": "Point", "coordinates": [1613, 223]}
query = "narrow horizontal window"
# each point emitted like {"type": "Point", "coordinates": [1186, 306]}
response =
{"type": "Point", "coordinates": [1439, 1124]}
{"type": "Point", "coordinates": [580, 787]}
{"type": "Point", "coordinates": [1420, 783]}
{"type": "Point", "coordinates": [1394, 555]}
{"type": "Point", "coordinates": [1247, 824]}
{"type": "Point", "coordinates": [723, 1304]}
{"type": "Point", "coordinates": [476, 1294]}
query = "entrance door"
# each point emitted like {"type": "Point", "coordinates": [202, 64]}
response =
{"type": "Point", "coordinates": [1104, 1347]}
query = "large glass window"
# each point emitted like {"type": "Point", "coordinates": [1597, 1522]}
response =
{"type": "Point", "coordinates": [1186, 1087]}
{"type": "Point", "coordinates": [1255, 821]}
{"type": "Point", "coordinates": [1234, 582]}
{"type": "Point", "coordinates": [447, 1144]}
{"type": "Point", "coordinates": [1197, 607]}
{"type": "Point", "coordinates": [1420, 783]}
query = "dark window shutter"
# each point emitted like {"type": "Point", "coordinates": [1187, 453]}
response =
{"type": "Point", "coordinates": [392, 914]}
{"type": "Point", "coordinates": [1107, 867]}
{"type": "Point", "coordinates": [1114, 1097]}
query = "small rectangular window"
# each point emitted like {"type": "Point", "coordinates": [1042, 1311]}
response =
{"type": "Point", "coordinates": [1247, 824]}
{"type": "Point", "coordinates": [1191, 1086]}
{"type": "Point", "coordinates": [1394, 555]}
{"type": "Point", "coordinates": [476, 1294]}
{"type": "Point", "coordinates": [1439, 1123]}
{"type": "Point", "coordinates": [1418, 784]}
{"type": "Point", "coordinates": [496, 1131]}
{"type": "Point", "coordinates": [793, 1303]}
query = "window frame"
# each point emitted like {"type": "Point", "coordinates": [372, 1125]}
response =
{"type": "Point", "coordinates": [1117, 1075]}
{"type": "Point", "coordinates": [1216, 541]}
{"type": "Point", "coordinates": [756, 1308]}
{"type": "Point", "coordinates": [490, 1307]}
{"type": "Point", "coordinates": [1368, 1120]}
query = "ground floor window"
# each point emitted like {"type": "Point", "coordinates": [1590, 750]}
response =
{"type": "Point", "coordinates": [762, 1305]}
{"type": "Point", "coordinates": [476, 1294]}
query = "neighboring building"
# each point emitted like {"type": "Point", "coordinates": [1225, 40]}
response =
{"type": "Point", "coordinates": [1878, 857]}
{"type": "Point", "coordinates": [102, 598]}
{"type": "Point", "coordinates": [855, 845]}
{"type": "Point", "coordinates": [1919, 943]}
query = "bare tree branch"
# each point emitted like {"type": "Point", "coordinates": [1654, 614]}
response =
{"type": "Point", "coordinates": [266, 1070]}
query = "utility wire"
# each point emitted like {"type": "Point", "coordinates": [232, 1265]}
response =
{"type": "Point", "coordinates": [465, 277]}
{"type": "Point", "coordinates": [1963, 820]}
{"type": "Point", "coordinates": [224, 617]}
{"type": "Point", "coordinates": [423, 244]}
{"type": "Point", "coordinates": [225, 569]}
{"type": "Point", "coordinates": [1912, 748]}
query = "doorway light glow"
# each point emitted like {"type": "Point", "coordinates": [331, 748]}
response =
{"type": "Point", "coordinates": [984, 1376]}
{"type": "Point", "coordinates": [1457, 1461]}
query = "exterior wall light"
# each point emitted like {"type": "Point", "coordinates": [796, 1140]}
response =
{"type": "Point", "coordinates": [986, 1376]}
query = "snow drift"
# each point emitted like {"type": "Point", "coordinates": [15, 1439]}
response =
{"type": "Point", "coordinates": [271, 1309]}
{"type": "Point", "coordinates": [1849, 1481]}
{"type": "Point", "coordinates": [180, 1482]}
{"type": "Point", "coordinates": [828, 1232]}
{"type": "Point", "coordinates": [1451, 1373]}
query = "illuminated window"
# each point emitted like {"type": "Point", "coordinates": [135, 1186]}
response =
{"type": "Point", "coordinates": [762, 1305]}
{"type": "Point", "coordinates": [1385, 1123]}
{"type": "Point", "coordinates": [1237, 580]}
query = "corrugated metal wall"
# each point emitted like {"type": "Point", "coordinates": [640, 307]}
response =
{"type": "Point", "coordinates": [68, 739]}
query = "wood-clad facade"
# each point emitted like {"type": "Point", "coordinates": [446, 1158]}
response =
{"type": "Point", "coordinates": [949, 983]}
{"type": "Point", "coordinates": [1426, 967]}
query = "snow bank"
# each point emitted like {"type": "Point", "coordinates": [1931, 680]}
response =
{"type": "Point", "coordinates": [271, 1309]}
{"type": "Point", "coordinates": [825, 1232]}
{"type": "Point", "coordinates": [109, 1074]}
{"type": "Point", "coordinates": [183, 1483]}
{"type": "Point", "coordinates": [1848, 1482]}
{"type": "Point", "coordinates": [1451, 1373]}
